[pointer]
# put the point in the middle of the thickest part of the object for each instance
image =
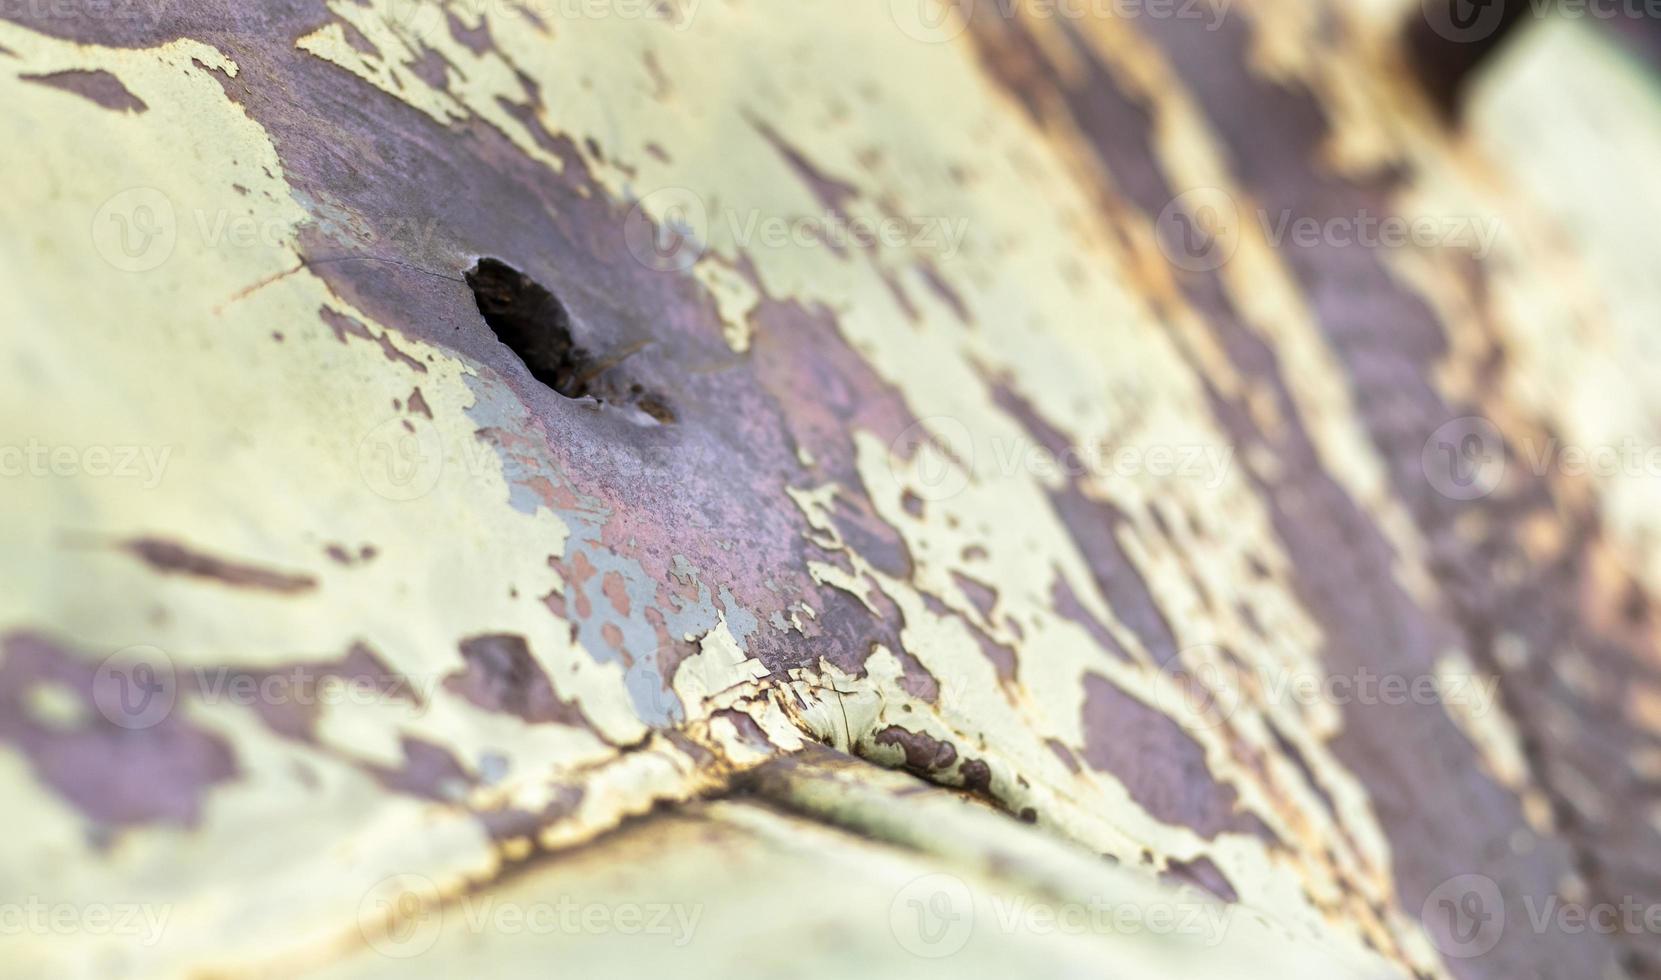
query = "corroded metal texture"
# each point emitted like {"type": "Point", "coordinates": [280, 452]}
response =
{"type": "Point", "coordinates": [1151, 428]}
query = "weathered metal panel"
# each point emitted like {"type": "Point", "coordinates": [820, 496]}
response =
{"type": "Point", "coordinates": [960, 393]}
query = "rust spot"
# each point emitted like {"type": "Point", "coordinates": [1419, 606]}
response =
{"type": "Point", "coordinates": [289, 697]}
{"type": "Point", "coordinates": [433, 68]}
{"type": "Point", "coordinates": [750, 733]}
{"type": "Point", "coordinates": [432, 772]}
{"type": "Point", "coordinates": [176, 559]}
{"type": "Point", "coordinates": [501, 675]}
{"type": "Point", "coordinates": [923, 753]}
{"type": "Point", "coordinates": [1161, 765]}
{"type": "Point", "coordinates": [1094, 526]}
{"type": "Point", "coordinates": [429, 771]}
{"type": "Point", "coordinates": [1067, 605]}
{"type": "Point", "coordinates": [1205, 874]}
{"type": "Point", "coordinates": [983, 596]}
{"type": "Point", "coordinates": [616, 590]}
{"type": "Point", "coordinates": [1002, 658]}
{"type": "Point", "coordinates": [476, 40]}
{"type": "Point", "coordinates": [114, 775]}
{"type": "Point", "coordinates": [512, 822]}
{"type": "Point", "coordinates": [832, 193]}
{"type": "Point", "coordinates": [1291, 753]}
{"type": "Point", "coordinates": [344, 326]}
{"type": "Point", "coordinates": [95, 85]}
{"type": "Point", "coordinates": [1065, 755]}
{"type": "Point", "coordinates": [945, 292]}
{"type": "Point", "coordinates": [863, 530]}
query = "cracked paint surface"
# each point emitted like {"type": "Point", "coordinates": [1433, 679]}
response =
{"type": "Point", "coordinates": [407, 611]}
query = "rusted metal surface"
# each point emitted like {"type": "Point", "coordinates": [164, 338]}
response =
{"type": "Point", "coordinates": [1102, 417]}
